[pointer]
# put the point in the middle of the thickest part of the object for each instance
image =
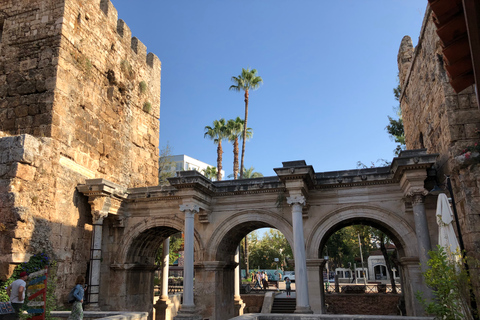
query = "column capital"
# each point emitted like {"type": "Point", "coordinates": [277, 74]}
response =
{"type": "Point", "coordinates": [296, 200]}
{"type": "Point", "coordinates": [417, 194]}
{"type": "Point", "coordinates": [190, 207]}
{"type": "Point", "coordinates": [100, 206]}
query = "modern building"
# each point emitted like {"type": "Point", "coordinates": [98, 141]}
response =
{"type": "Point", "coordinates": [185, 163]}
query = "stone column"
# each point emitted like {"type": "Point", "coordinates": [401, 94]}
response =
{"type": "Point", "coordinates": [423, 235]}
{"type": "Point", "coordinates": [421, 225]}
{"type": "Point", "coordinates": [95, 259]}
{"type": "Point", "coordinates": [412, 282]}
{"type": "Point", "coordinates": [301, 283]}
{"type": "Point", "coordinates": [164, 305]}
{"type": "Point", "coordinates": [188, 310]}
{"type": "Point", "coordinates": [239, 305]}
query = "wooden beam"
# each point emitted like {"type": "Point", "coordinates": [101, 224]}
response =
{"type": "Point", "coordinates": [471, 10]}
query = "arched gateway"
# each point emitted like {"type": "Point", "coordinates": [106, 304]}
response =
{"type": "Point", "coordinates": [307, 207]}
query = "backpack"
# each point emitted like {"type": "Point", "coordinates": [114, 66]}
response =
{"type": "Point", "coordinates": [71, 297]}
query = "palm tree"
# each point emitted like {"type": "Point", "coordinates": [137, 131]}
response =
{"type": "Point", "coordinates": [217, 133]}
{"type": "Point", "coordinates": [247, 80]}
{"type": "Point", "coordinates": [249, 173]}
{"type": "Point", "coordinates": [210, 172]}
{"type": "Point", "coordinates": [235, 130]}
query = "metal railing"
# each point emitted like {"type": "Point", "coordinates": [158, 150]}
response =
{"type": "Point", "coordinates": [357, 288]}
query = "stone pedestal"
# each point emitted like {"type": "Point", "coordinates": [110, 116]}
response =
{"type": "Point", "coordinates": [163, 309]}
{"type": "Point", "coordinates": [188, 313]}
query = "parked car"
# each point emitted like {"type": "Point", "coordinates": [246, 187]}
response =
{"type": "Point", "coordinates": [290, 275]}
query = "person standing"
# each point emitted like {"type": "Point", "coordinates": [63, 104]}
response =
{"type": "Point", "coordinates": [16, 292]}
{"type": "Point", "coordinates": [258, 278]}
{"type": "Point", "coordinates": [78, 292]}
{"type": "Point", "coordinates": [288, 286]}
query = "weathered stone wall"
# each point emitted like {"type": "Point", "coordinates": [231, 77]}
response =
{"type": "Point", "coordinates": [437, 118]}
{"type": "Point", "coordinates": [35, 214]}
{"type": "Point", "coordinates": [79, 99]}
{"type": "Point", "coordinates": [70, 70]}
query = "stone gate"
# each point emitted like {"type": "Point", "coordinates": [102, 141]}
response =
{"type": "Point", "coordinates": [306, 206]}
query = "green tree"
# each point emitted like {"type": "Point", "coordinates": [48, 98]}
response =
{"type": "Point", "coordinates": [264, 251]}
{"type": "Point", "coordinates": [451, 285]}
{"type": "Point", "coordinates": [166, 165]}
{"type": "Point", "coordinates": [395, 127]}
{"type": "Point", "coordinates": [342, 246]}
{"type": "Point", "coordinates": [246, 81]}
{"type": "Point", "coordinates": [176, 245]}
{"type": "Point", "coordinates": [210, 173]}
{"type": "Point", "coordinates": [249, 173]}
{"type": "Point", "coordinates": [217, 133]}
{"type": "Point", "coordinates": [383, 241]}
{"type": "Point", "coordinates": [235, 130]}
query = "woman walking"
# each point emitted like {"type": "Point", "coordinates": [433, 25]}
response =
{"type": "Point", "coordinates": [77, 309]}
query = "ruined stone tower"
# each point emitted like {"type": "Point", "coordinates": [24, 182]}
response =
{"type": "Point", "coordinates": [79, 99]}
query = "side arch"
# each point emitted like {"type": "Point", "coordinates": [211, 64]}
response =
{"type": "Point", "coordinates": [172, 222]}
{"type": "Point", "coordinates": [403, 234]}
{"type": "Point", "coordinates": [236, 226]}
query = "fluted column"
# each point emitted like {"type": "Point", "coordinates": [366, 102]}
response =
{"type": "Point", "coordinates": [188, 305]}
{"type": "Point", "coordinates": [421, 225]}
{"type": "Point", "coordinates": [301, 283]}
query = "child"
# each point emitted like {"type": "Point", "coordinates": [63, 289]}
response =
{"type": "Point", "coordinates": [288, 286]}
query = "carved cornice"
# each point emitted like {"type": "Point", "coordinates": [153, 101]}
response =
{"type": "Point", "coordinates": [251, 191]}
{"type": "Point", "coordinates": [355, 184]}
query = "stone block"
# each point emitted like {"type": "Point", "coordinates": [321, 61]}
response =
{"type": "Point", "coordinates": [25, 172]}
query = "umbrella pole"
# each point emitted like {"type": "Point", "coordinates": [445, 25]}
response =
{"type": "Point", "coordinates": [454, 207]}
{"type": "Point", "coordinates": [473, 302]}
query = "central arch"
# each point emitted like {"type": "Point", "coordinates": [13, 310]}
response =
{"type": "Point", "coordinates": [231, 231]}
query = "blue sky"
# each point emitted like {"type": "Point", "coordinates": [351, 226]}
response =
{"type": "Point", "coordinates": [328, 67]}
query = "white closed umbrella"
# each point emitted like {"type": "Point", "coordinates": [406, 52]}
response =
{"type": "Point", "coordinates": [446, 234]}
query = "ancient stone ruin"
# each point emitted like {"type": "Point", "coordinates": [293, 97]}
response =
{"type": "Point", "coordinates": [79, 132]}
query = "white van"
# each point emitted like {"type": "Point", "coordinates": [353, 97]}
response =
{"type": "Point", "coordinates": [290, 275]}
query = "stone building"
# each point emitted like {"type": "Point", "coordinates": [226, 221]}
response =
{"type": "Point", "coordinates": [79, 98]}
{"type": "Point", "coordinates": [438, 118]}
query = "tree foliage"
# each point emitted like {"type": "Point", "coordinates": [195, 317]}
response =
{"type": "Point", "coordinates": [210, 173]}
{"type": "Point", "coordinates": [262, 252]}
{"type": "Point", "coordinates": [176, 245]}
{"type": "Point", "coordinates": [451, 286]}
{"type": "Point", "coordinates": [249, 173]}
{"type": "Point", "coordinates": [246, 81]}
{"type": "Point", "coordinates": [395, 126]}
{"type": "Point", "coordinates": [235, 132]}
{"type": "Point", "coordinates": [217, 132]}
{"type": "Point", "coordinates": [166, 165]}
{"type": "Point", "coordinates": [342, 246]}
